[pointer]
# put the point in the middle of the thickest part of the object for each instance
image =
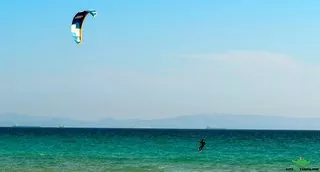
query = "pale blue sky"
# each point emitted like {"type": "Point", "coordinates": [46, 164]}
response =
{"type": "Point", "coordinates": [160, 58]}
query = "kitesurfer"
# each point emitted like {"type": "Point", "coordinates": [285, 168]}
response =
{"type": "Point", "coordinates": [202, 144]}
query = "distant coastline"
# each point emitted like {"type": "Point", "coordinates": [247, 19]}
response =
{"type": "Point", "coordinates": [213, 128]}
{"type": "Point", "coordinates": [25, 126]}
{"type": "Point", "coordinates": [207, 122]}
{"type": "Point", "coordinates": [167, 129]}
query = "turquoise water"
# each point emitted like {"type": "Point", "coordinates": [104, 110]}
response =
{"type": "Point", "coordinates": [64, 149]}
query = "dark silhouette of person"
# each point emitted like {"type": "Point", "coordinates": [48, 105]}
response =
{"type": "Point", "coordinates": [202, 144]}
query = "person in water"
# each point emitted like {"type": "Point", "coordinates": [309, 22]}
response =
{"type": "Point", "coordinates": [202, 144]}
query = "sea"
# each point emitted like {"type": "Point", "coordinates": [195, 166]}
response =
{"type": "Point", "coordinates": [155, 150]}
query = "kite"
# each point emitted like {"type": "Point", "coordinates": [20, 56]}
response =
{"type": "Point", "coordinates": [77, 24]}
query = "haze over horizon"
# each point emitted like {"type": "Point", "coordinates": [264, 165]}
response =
{"type": "Point", "coordinates": [161, 59]}
{"type": "Point", "coordinates": [217, 121]}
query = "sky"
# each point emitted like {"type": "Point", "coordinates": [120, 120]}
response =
{"type": "Point", "coordinates": [162, 58]}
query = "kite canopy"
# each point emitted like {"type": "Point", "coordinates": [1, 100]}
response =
{"type": "Point", "coordinates": [77, 24]}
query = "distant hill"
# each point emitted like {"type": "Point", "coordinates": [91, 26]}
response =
{"type": "Point", "coordinates": [11, 119]}
{"type": "Point", "coordinates": [192, 122]}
